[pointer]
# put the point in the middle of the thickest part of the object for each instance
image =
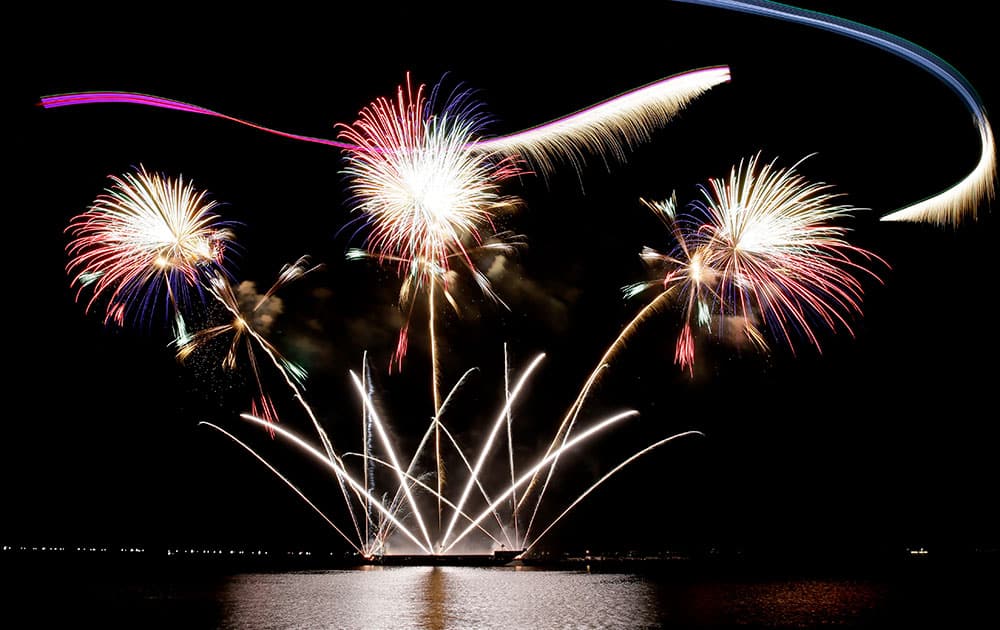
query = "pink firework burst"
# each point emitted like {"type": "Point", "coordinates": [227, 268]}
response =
{"type": "Point", "coordinates": [762, 247]}
{"type": "Point", "coordinates": [146, 235]}
{"type": "Point", "coordinates": [428, 200]}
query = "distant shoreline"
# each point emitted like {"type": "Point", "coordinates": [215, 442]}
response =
{"type": "Point", "coordinates": [713, 563]}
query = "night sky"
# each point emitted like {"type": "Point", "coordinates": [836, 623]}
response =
{"type": "Point", "coordinates": [887, 438]}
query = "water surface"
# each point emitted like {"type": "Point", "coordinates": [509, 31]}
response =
{"type": "Point", "coordinates": [439, 598]}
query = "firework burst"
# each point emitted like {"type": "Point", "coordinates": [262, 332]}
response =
{"type": "Point", "coordinates": [428, 202]}
{"type": "Point", "coordinates": [761, 247]}
{"type": "Point", "coordinates": [145, 235]}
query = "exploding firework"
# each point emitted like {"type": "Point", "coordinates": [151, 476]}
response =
{"type": "Point", "coordinates": [763, 246]}
{"type": "Point", "coordinates": [427, 201]}
{"type": "Point", "coordinates": [145, 235]}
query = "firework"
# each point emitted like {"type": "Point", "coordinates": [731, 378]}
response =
{"type": "Point", "coordinates": [395, 512]}
{"type": "Point", "coordinates": [244, 307]}
{"type": "Point", "coordinates": [502, 419]}
{"type": "Point", "coordinates": [427, 200]}
{"type": "Point", "coordinates": [614, 126]}
{"type": "Point", "coordinates": [763, 247]}
{"type": "Point", "coordinates": [246, 340]}
{"type": "Point", "coordinates": [393, 516]}
{"type": "Point", "coordinates": [146, 235]}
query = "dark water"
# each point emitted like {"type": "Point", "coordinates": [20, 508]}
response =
{"type": "Point", "coordinates": [513, 597]}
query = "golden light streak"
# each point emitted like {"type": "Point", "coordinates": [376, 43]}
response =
{"type": "Point", "coordinates": [609, 129]}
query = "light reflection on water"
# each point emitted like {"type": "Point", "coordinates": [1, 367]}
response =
{"type": "Point", "coordinates": [445, 598]}
{"type": "Point", "coordinates": [801, 603]}
{"type": "Point", "coordinates": [439, 598]}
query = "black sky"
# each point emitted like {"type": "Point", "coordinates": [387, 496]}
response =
{"type": "Point", "coordinates": [887, 438]}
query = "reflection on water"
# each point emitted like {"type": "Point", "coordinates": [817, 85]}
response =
{"type": "Point", "coordinates": [781, 604]}
{"type": "Point", "coordinates": [436, 598]}
{"type": "Point", "coordinates": [443, 598]}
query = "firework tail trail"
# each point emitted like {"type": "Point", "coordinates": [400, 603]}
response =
{"type": "Point", "coordinates": [284, 479]}
{"type": "Point", "coordinates": [566, 426]}
{"type": "Point", "coordinates": [947, 207]}
{"type": "Point", "coordinates": [341, 473]}
{"type": "Point", "coordinates": [610, 127]}
{"type": "Point", "coordinates": [86, 98]}
{"type": "Point", "coordinates": [436, 390]}
{"type": "Point", "coordinates": [366, 445]}
{"type": "Point", "coordinates": [510, 439]}
{"type": "Point", "coordinates": [484, 451]}
{"type": "Point", "coordinates": [387, 444]}
{"type": "Point", "coordinates": [589, 432]}
{"type": "Point", "coordinates": [607, 476]}
{"type": "Point", "coordinates": [595, 127]}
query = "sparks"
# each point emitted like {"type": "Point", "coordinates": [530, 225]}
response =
{"type": "Point", "coordinates": [762, 246]}
{"type": "Point", "coordinates": [427, 201]}
{"type": "Point", "coordinates": [144, 235]}
{"type": "Point", "coordinates": [243, 307]}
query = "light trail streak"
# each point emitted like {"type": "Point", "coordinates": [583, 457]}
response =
{"type": "Point", "coordinates": [526, 477]}
{"type": "Point", "coordinates": [286, 481]}
{"type": "Point", "coordinates": [484, 451]}
{"type": "Point", "coordinates": [341, 473]}
{"type": "Point", "coordinates": [387, 444]}
{"type": "Point", "coordinates": [607, 476]}
{"type": "Point", "coordinates": [959, 201]}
